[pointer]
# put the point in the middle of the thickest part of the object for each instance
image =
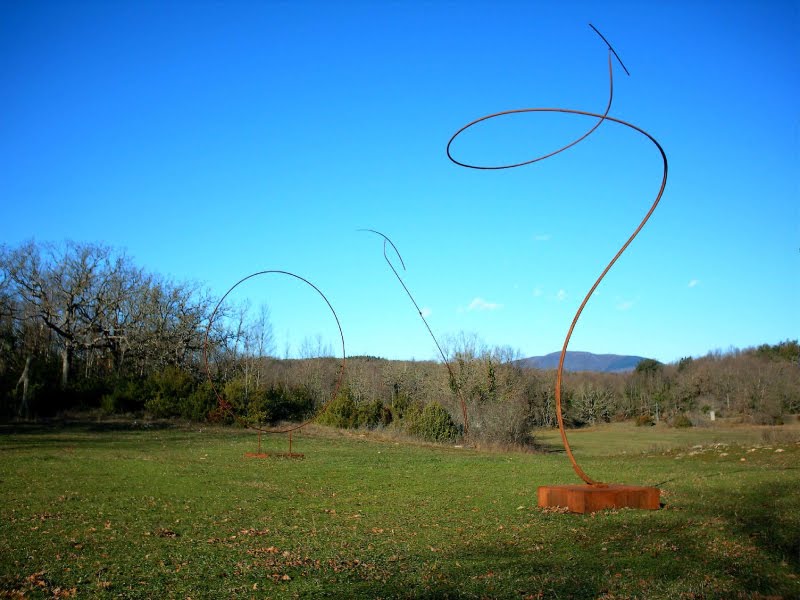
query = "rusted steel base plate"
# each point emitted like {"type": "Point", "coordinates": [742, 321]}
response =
{"type": "Point", "coordinates": [273, 455]}
{"type": "Point", "coordinates": [590, 498]}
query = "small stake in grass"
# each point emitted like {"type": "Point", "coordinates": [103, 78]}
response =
{"type": "Point", "coordinates": [595, 495]}
{"type": "Point", "coordinates": [261, 454]}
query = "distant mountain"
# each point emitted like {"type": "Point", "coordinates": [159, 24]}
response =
{"type": "Point", "coordinates": [584, 361]}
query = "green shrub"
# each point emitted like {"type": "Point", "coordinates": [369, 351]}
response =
{"type": "Point", "coordinates": [159, 407]}
{"type": "Point", "coordinates": [266, 405]}
{"type": "Point", "coordinates": [400, 404]}
{"type": "Point", "coordinates": [253, 405]}
{"type": "Point", "coordinates": [412, 415]}
{"type": "Point", "coordinates": [681, 421]}
{"type": "Point", "coordinates": [260, 405]}
{"type": "Point", "coordinates": [432, 423]}
{"type": "Point", "coordinates": [345, 412]}
{"type": "Point", "coordinates": [372, 414]}
{"type": "Point", "coordinates": [341, 412]}
{"type": "Point", "coordinates": [168, 389]}
{"type": "Point", "coordinates": [288, 404]}
{"type": "Point", "coordinates": [127, 395]}
{"type": "Point", "coordinates": [200, 403]}
{"type": "Point", "coordinates": [237, 395]}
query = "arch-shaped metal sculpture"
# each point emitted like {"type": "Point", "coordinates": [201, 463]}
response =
{"type": "Point", "coordinates": [226, 407]}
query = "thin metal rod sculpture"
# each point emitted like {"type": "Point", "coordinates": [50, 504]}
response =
{"type": "Point", "coordinates": [453, 380]}
{"type": "Point", "coordinates": [225, 406]}
{"type": "Point", "coordinates": [601, 117]}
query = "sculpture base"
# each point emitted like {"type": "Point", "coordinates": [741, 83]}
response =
{"type": "Point", "coordinates": [273, 455]}
{"type": "Point", "coordinates": [591, 498]}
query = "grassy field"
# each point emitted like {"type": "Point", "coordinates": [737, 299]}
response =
{"type": "Point", "coordinates": [136, 512]}
{"type": "Point", "coordinates": [627, 438]}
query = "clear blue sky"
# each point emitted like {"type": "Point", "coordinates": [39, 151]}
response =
{"type": "Point", "coordinates": [212, 140]}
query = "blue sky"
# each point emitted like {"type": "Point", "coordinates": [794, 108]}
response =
{"type": "Point", "coordinates": [211, 141]}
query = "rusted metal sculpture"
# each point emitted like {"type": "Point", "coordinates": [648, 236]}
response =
{"type": "Point", "coordinates": [596, 495]}
{"type": "Point", "coordinates": [225, 407]}
{"type": "Point", "coordinates": [453, 380]}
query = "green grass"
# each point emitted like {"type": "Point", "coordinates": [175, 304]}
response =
{"type": "Point", "coordinates": [179, 513]}
{"type": "Point", "coordinates": [627, 438]}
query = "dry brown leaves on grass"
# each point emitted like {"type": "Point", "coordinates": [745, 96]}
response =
{"type": "Point", "coordinates": [253, 531]}
{"type": "Point", "coordinates": [166, 533]}
{"type": "Point", "coordinates": [37, 583]}
{"type": "Point", "coordinates": [554, 510]}
{"type": "Point", "coordinates": [278, 562]}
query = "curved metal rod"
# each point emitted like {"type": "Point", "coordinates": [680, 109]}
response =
{"type": "Point", "coordinates": [224, 404]}
{"type": "Point", "coordinates": [610, 47]}
{"type": "Point", "coordinates": [559, 375]}
{"type": "Point", "coordinates": [425, 321]}
{"type": "Point", "coordinates": [561, 359]}
{"type": "Point", "coordinates": [526, 110]}
{"type": "Point", "coordinates": [396, 251]}
{"type": "Point", "coordinates": [602, 117]}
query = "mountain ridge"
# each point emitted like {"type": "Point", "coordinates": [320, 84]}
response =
{"type": "Point", "coordinates": [584, 361]}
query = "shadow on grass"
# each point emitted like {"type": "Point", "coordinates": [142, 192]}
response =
{"type": "Point", "coordinates": [548, 448]}
{"type": "Point", "coordinates": [83, 426]}
{"type": "Point", "coordinates": [768, 516]}
{"type": "Point", "coordinates": [55, 433]}
{"type": "Point", "coordinates": [627, 554]}
{"type": "Point", "coordinates": [624, 554]}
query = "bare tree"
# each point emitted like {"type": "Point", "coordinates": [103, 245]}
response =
{"type": "Point", "coordinates": [64, 286]}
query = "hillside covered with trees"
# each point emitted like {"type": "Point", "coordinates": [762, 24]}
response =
{"type": "Point", "coordinates": [83, 328]}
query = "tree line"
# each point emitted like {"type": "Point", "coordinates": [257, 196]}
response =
{"type": "Point", "coordinates": [82, 327]}
{"type": "Point", "coordinates": [77, 319]}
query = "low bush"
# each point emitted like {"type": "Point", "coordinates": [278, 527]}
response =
{"type": "Point", "coordinates": [341, 412]}
{"type": "Point", "coordinates": [200, 403]}
{"type": "Point", "coordinates": [292, 404]}
{"type": "Point", "coordinates": [400, 404]}
{"type": "Point", "coordinates": [767, 418]}
{"type": "Point", "coordinates": [344, 412]}
{"type": "Point", "coordinates": [167, 391]}
{"type": "Point", "coordinates": [508, 421]}
{"type": "Point", "coordinates": [645, 421]}
{"type": "Point", "coordinates": [681, 421]}
{"type": "Point", "coordinates": [432, 423]}
{"type": "Point", "coordinates": [373, 414]}
{"type": "Point", "coordinates": [278, 403]}
{"type": "Point", "coordinates": [126, 396]}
